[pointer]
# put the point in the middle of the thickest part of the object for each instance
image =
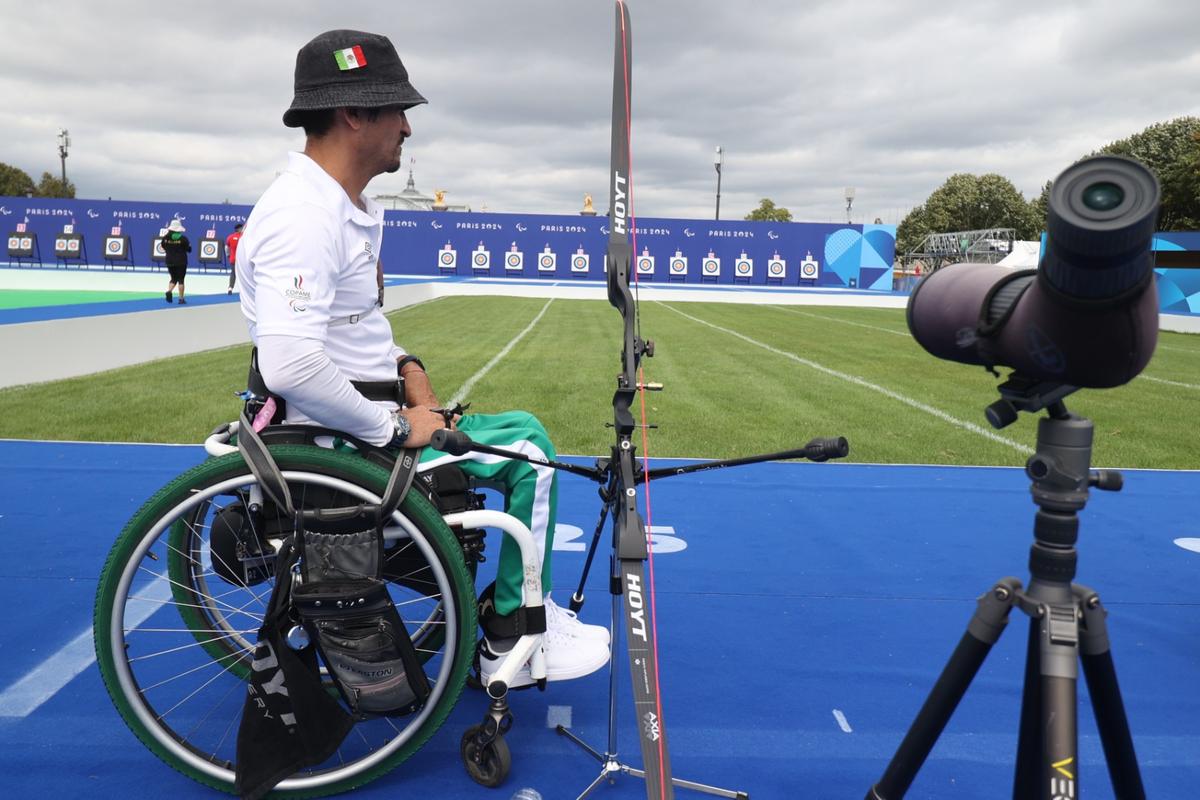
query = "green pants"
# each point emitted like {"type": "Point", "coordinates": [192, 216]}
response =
{"type": "Point", "coordinates": [530, 491]}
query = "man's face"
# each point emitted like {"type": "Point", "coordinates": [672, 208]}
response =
{"type": "Point", "coordinates": [386, 137]}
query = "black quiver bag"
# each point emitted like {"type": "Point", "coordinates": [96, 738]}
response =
{"type": "Point", "coordinates": [289, 720]}
{"type": "Point", "coordinates": [344, 605]}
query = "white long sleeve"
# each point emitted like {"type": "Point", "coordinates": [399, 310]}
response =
{"type": "Point", "coordinates": [299, 370]}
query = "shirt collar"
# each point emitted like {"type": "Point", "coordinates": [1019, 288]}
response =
{"type": "Point", "coordinates": [314, 173]}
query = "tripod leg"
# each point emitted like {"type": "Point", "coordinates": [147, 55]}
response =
{"type": "Point", "coordinates": [1029, 741]}
{"type": "Point", "coordinates": [1055, 773]}
{"type": "Point", "coordinates": [1107, 705]}
{"type": "Point", "coordinates": [984, 629]}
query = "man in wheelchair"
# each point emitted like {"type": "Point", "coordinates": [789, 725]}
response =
{"type": "Point", "coordinates": [308, 264]}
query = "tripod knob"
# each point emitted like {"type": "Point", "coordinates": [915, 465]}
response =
{"type": "Point", "coordinates": [1106, 480]}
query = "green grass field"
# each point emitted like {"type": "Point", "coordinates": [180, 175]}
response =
{"type": "Point", "coordinates": [739, 380]}
{"type": "Point", "coordinates": [32, 298]}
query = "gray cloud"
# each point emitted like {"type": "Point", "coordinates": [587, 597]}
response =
{"type": "Point", "coordinates": [184, 101]}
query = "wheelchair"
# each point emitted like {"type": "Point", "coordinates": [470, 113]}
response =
{"type": "Point", "coordinates": [182, 594]}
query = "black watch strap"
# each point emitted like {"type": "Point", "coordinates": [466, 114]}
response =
{"type": "Point", "coordinates": [408, 359]}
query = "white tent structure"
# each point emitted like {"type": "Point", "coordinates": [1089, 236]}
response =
{"type": "Point", "coordinates": [1024, 255]}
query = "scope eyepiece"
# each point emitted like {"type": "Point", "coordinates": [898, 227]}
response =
{"type": "Point", "coordinates": [1100, 225]}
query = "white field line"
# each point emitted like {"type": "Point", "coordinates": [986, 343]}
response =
{"type": "Point", "coordinates": [908, 401]}
{"type": "Point", "coordinates": [45, 680]}
{"type": "Point", "coordinates": [1190, 350]}
{"type": "Point", "coordinates": [842, 722]}
{"type": "Point", "coordinates": [842, 321]}
{"type": "Point", "coordinates": [1169, 383]}
{"type": "Point", "coordinates": [471, 381]}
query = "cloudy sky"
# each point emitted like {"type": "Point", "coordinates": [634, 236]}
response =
{"type": "Point", "coordinates": [182, 101]}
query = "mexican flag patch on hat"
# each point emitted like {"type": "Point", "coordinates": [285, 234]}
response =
{"type": "Point", "coordinates": [350, 58]}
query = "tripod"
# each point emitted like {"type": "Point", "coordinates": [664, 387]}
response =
{"type": "Point", "coordinates": [1066, 626]}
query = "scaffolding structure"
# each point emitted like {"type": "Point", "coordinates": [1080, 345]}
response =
{"type": "Point", "coordinates": [985, 246]}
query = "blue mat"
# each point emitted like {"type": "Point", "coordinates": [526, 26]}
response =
{"type": "Point", "coordinates": [805, 611]}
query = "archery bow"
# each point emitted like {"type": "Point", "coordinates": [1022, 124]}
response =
{"type": "Point", "coordinates": [631, 548]}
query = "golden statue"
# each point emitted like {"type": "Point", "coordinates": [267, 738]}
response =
{"type": "Point", "coordinates": [588, 211]}
{"type": "Point", "coordinates": [439, 199]}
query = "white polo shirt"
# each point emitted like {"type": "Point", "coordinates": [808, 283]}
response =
{"type": "Point", "coordinates": [308, 257]}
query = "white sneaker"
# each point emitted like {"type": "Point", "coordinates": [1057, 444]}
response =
{"type": "Point", "coordinates": [567, 622]}
{"type": "Point", "coordinates": [567, 657]}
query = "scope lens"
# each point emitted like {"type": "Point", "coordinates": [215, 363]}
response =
{"type": "Point", "coordinates": [1103, 196]}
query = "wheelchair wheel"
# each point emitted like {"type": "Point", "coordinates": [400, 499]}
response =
{"type": "Point", "coordinates": [175, 625]}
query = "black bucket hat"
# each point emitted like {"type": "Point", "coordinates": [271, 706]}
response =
{"type": "Point", "coordinates": [349, 69]}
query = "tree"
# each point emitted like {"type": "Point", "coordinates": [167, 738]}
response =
{"type": "Point", "coordinates": [767, 211]}
{"type": "Point", "coordinates": [967, 203]}
{"type": "Point", "coordinates": [14, 182]}
{"type": "Point", "coordinates": [54, 187]}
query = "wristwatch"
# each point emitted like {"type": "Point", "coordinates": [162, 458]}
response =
{"type": "Point", "coordinates": [403, 430]}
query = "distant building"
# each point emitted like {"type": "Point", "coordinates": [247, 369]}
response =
{"type": "Point", "coordinates": [411, 199]}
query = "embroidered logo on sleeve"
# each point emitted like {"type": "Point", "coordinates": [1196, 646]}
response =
{"type": "Point", "coordinates": [298, 297]}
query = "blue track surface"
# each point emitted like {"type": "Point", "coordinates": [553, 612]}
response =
{"type": "Point", "coordinates": [803, 590]}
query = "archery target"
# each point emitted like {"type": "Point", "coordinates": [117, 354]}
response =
{"type": "Point", "coordinates": [114, 247]}
{"type": "Point", "coordinates": [514, 260]}
{"type": "Point", "coordinates": [809, 270]}
{"type": "Point", "coordinates": [580, 263]}
{"type": "Point", "coordinates": [20, 246]}
{"type": "Point", "coordinates": [710, 266]}
{"type": "Point", "coordinates": [447, 258]}
{"type": "Point", "coordinates": [645, 265]}
{"type": "Point", "coordinates": [156, 250]}
{"type": "Point", "coordinates": [481, 259]}
{"type": "Point", "coordinates": [679, 265]}
{"type": "Point", "coordinates": [776, 268]}
{"type": "Point", "coordinates": [72, 245]}
{"type": "Point", "coordinates": [743, 267]}
{"type": "Point", "coordinates": [210, 251]}
{"type": "Point", "coordinates": [60, 245]}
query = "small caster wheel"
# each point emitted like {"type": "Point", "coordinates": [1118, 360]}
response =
{"type": "Point", "coordinates": [488, 764]}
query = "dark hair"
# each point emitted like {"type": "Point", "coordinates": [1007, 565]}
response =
{"type": "Point", "coordinates": [318, 122]}
{"type": "Point", "coordinates": [237, 227]}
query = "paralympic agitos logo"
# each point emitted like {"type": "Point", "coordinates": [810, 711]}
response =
{"type": "Point", "coordinates": [297, 297]}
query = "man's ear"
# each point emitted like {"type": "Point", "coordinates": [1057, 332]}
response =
{"type": "Point", "coordinates": [352, 117]}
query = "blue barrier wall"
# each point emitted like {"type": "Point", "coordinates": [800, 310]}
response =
{"type": "Point", "coordinates": [520, 245]}
{"type": "Point", "coordinates": [559, 247]}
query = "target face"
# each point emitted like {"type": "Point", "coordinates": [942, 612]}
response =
{"type": "Point", "coordinates": [711, 266]}
{"type": "Point", "coordinates": [679, 266]}
{"type": "Point", "coordinates": [482, 258]}
{"type": "Point", "coordinates": [208, 250]}
{"type": "Point", "coordinates": [645, 265]}
{"type": "Point", "coordinates": [60, 245]}
{"type": "Point", "coordinates": [447, 258]}
{"type": "Point", "coordinates": [14, 243]}
{"type": "Point", "coordinates": [73, 245]}
{"type": "Point", "coordinates": [514, 259]}
{"type": "Point", "coordinates": [114, 246]}
{"type": "Point", "coordinates": [26, 242]}
{"type": "Point", "coordinates": [159, 253]}
{"type": "Point", "coordinates": [776, 268]}
{"type": "Point", "coordinates": [808, 269]}
{"type": "Point", "coordinates": [743, 267]}
{"type": "Point", "coordinates": [580, 263]}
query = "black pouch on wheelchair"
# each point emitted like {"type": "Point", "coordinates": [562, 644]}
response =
{"type": "Point", "coordinates": [348, 613]}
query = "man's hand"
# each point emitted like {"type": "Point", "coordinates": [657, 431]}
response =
{"type": "Point", "coordinates": [424, 422]}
